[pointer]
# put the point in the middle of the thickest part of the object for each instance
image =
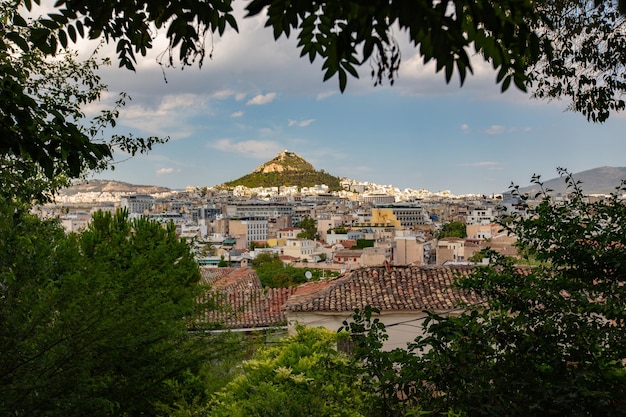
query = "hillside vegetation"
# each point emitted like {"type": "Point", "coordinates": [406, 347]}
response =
{"type": "Point", "coordinates": [286, 169]}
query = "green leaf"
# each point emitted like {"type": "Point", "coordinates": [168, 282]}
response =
{"type": "Point", "coordinates": [62, 38]}
{"type": "Point", "coordinates": [343, 80]}
{"type": "Point", "coordinates": [71, 31]}
{"type": "Point", "coordinates": [16, 38]}
{"type": "Point", "coordinates": [506, 83]}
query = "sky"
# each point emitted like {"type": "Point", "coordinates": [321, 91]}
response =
{"type": "Point", "coordinates": [256, 97]}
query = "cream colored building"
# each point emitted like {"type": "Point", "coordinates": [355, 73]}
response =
{"type": "Point", "coordinates": [411, 248]}
{"type": "Point", "coordinates": [483, 231]}
{"type": "Point", "coordinates": [299, 248]}
{"type": "Point", "coordinates": [450, 249]}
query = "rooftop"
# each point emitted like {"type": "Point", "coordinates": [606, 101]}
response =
{"type": "Point", "coordinates": [385, 288]}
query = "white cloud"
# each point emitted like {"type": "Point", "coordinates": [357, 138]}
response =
{"type": "Point", "coordinates": [223, 94]}
{"type": "Point", "coordinates": [495, 130]}
{"type": "Point", "coordinates": [236, 114]}
{"type": "Point", "coordinates": [261, 99]}
{"type": "Point", "coordinates": [250, 148]}
{"type": "Point", "coordinates": [179, 101]}
{"type": "Point", "coordinates": [465, 128]}
{"type": "Point", "coordinates": [302, 123]}
{"type": "Point", "coordinates": [167, 171]}
{"type": "Point", "coordinates": [325, 94]}
{"type": "Point", "coordinates": [169, 117]}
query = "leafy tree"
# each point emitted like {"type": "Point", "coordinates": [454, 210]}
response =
{"type": "Point", "coordinates": [586, 58]}
{"type": "Point", "coordinates": [364, 243]}
{"type": "Point", "coordinates": [45, 138]}
{"type": "Point", "coordinates": [193, 390]}
{"type": "Point", "coordinates": [340, 230]}
{"type": "Point", "coordinates": [273, 273]}
{"type": "Point", "coordinates": [453, 229]}
{"type": "Point", "coordinates": [309, 229]}
{"type": "Point", "coordinates": [571, 48]}
{"type": "Point", "coordinates": [343, 35]}
{"type": "Point", "coordinates": [304, 375]}
{"type": "Point", "coordinates": [208, 249]}
{"type": "Point", "coordinates": [93, 324]}
{"type": "Point", "coordinates": [551, 339]}
{"type": "Point", "coordinates": [222, 263]}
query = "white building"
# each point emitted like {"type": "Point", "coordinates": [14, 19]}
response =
{"type": "Point", "coordinates": [481, 215]}
{"type": "Point", "coordinates": [137, 203]}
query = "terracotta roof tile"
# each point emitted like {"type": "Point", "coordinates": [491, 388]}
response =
{"type": "Point", "coordinates": [243, 303]}
{"type": "Point", "coordinates": [386, 288]}
{"type": "Point", "coordinates": [230, 278]}
{"type": "Point", "coordinates": [393, 288]}
{"type": "Point", "coordinates": [256, 307]}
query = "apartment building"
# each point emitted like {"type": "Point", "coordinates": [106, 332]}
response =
{"type": "Point", "coordinates": [325, 223]}
{"type": "Point", "coordinates": [482, 231]}
{"type": "Point", "coordinates": [400, 216]}
{"type": "Point", "coordinates": [299, 248]}
{"type": "Point", "coordinates": [377, 198]}
{"type": "Point", "coordinates": [411, 249]}
{"type": "Point", "coordinates": [75, 221]}
{"type": "Point", "coordinates": [259, 209]}
{"type": "Point", "coordinates": [248, 231]}
{"type": "Point", "coordinates": [138, 203]}
{"type": "Point", "coordinates": [288, 233]}
{"type": "Point", "coordinates": [450, 249]}
{"type": "Point", "coordinates": [480, 215]}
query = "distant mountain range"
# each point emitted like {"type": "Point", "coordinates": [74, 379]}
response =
{"type": "Point", "coordinates": [104, 186]}
{"type": "Point", "coordinates": [286, 169]}
{"type": "Point", "coordinates": [603, 180]}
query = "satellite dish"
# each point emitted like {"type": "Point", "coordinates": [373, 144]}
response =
{"type": "Point", "coordinates": [308, 275]}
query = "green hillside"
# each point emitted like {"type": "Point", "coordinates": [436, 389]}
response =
{"type": "Point", "coordinates": [286, 169]}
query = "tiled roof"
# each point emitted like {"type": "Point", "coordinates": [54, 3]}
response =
{"type": "Point", "coordinates": [386, 288]}
{"type": "Point", "coordinates": [229, 279]}
{"type": "Point", "coordinates": [256, 307]}
{"type": "Point", "coordinates": [241, 300]}
{"type": "Point", "coordinates": [399, 288]}
{"type": "Point", "coordinates": [348, 243]}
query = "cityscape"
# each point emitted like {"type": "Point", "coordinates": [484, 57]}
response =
{"type": "Point", "coordinates": [348, 225]}
{"type": "Point", "coordinates": [240, 223]}
{"type": "Point", "coordinates": [455, 289]}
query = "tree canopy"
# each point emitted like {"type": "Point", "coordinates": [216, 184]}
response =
{"type": "Point", "coordinates": [564, 48]}
{"type": "Point", "coordinates": [274, 273]}
{"type": "Point", "coordinates": [304, 375]}
{"type": "Point", "coordinates": [97, 323]}
{"type": "Point", "coordinates": [309, 228]}
{"type": "Point", "coordinates": [548, 340]}
{"type": "Point", "coordinates": [45, 136]}
{"type": "Point", "coordinates": [453, 229]}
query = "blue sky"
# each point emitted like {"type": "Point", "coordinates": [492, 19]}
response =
{"type": "Point", "coordinates": [256, 97]}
